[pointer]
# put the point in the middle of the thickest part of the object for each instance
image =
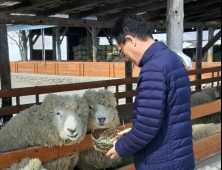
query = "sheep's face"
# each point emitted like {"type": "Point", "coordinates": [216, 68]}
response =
{"type": "Point", "coordinates": [68, 125]}
{"type": "Point", "coordinates": [99, 116]}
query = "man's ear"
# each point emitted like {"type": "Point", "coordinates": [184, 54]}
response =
{"type": "Point", "coordinates": [129, 38]}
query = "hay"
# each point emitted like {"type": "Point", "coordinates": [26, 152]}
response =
{"type": "Point", "coordinates": [103, 139]}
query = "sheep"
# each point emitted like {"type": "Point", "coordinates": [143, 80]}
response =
{"type": "Point", "coordinates": [103, 114]}
{"type": "Point", "coordinates": [60, 120]}
{"type": "Point", "coordinates": [201, 131]}
{"type": "Point", "coordinates": [213, 93]}
{"type": "Point", "coordinates": [28, 164]}
{"type": "Point", "coordinates": [208, 125]}
{"type": "Point", "coordinates": [201, 98]}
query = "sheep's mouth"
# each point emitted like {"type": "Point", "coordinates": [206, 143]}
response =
{"type": "Point", "coordinates": [102, 124]}
{"type": "Point", "coordinates": [72, 137]}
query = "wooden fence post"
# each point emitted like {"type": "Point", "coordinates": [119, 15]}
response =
{"type": "Point", "coordinates": [94, 38]}
{"type": "Point", "coordinates": [113, 70]}
{"type": "Point", "coordinates": [5, 72]}
{"type": "Point", "coordinates": [83, 69]}
{"type": "Point", "coordinates": [109, 70]}
{"type": "Point", "coordinates": [199, 55]}
{"type": "Point", "coordinates": [210, 57]}
{"type": "Point", "coordinates": [79, 70]}
{"type": "Point", "coordinates": [128, 74]}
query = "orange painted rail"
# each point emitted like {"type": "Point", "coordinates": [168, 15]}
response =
{"type": "Point", "coordinates": [85, 69]}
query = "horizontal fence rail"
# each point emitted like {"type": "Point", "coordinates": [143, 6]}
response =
{"type": "Point", "coordinates": [91, 85]}
{"type": "Point", "coordinates": [202, 148]}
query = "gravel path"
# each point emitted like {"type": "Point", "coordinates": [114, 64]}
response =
{"type": "Point", "coordinates": [213, 163]}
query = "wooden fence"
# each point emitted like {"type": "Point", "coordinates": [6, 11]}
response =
{"type": "Point", "coordinates": [111, 70]}
{"type": "Point", "coordinates": [203, 148]}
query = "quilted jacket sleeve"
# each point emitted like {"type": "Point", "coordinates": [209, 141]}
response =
{"type": "Point", "coordinates": [151, 98]}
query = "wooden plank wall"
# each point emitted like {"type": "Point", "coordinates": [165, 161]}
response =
{"type": "Point", "coordinates": [86, 69]}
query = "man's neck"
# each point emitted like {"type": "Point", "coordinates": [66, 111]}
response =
{"type": "Point", "coordinates": [142, 48]}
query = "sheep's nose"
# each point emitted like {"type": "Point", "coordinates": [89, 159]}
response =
{"type": "Point", "coordinates": [102, 120]}
{"type": "Point", "coordinates": [71, 130]}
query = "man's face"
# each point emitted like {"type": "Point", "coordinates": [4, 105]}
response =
{"type": "Point", "coordinates": [127, 51]}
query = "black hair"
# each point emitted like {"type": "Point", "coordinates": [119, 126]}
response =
{"type": "Point", "coordinates": [131, 24]}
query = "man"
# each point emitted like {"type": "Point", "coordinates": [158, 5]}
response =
{"type": "Point", "coordinates": [161, 137]}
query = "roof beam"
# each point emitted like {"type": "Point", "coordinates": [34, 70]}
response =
{"type": "Point", "coordinates": [161, 14]}
{"type": "Point", "coordinates": [34, 20]}
{"type": "Point", "coordinates": [70, 6]}
{"type": "Point", "coordinates": [108, 7]}
{"type": "Point", "coordinates": [202, 19]}
{"type": "Point", "coordinates": [28, 5]}
{"type": "Point", "coordinates": [13, 0]}
{"type": "Point", "coordinates": [214, 10]}
{"type": "Point", "coordinates": [197, 4]}
{"type": "Point", "coordinates": [151, 7]}
{"type": "Point", "coordinates": [190, 8]}
{"type": "Point", "coordinates": [213, 19]}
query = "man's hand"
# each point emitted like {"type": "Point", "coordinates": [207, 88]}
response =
{"type": "Point", "coordinates": [112, 152]}
{"type": "Point", "coordinates": [124, 132]}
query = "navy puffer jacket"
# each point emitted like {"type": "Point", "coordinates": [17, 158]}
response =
{"type": "Point", "coordinates": [161, 137]}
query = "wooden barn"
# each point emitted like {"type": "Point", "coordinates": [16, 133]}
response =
{"type": "Point", "coordinates": [170, 16]}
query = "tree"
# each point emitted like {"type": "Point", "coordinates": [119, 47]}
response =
{"type": "Point", "coordinates": [21, 40]}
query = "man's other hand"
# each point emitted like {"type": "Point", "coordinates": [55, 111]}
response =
{"type": "Point", "coordinates": [112, 152]}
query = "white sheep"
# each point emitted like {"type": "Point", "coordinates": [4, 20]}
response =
{"type": "Point", "coordinates": [28, 164]}
{"type": "Point", "coordinates": [205, 126]}
{"type": "Point", "coordinates": [103, 114]}
{"type": "Point", "coordinates": [213, 93]}
{"type": "Point", "coordinates": [200, 98]}
{"type": "Point", "coordinates": [201, 131]}
{"type": "Point", "coordinates": [60, 120]}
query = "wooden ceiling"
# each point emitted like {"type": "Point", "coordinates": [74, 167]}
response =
{"type": "Point", "coordinates": [201, 11]}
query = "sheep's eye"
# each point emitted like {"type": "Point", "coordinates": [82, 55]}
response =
{"type": "Point", "coordinates": [91, 108]}
{"type": "Point", "coordinates": [58, 113]}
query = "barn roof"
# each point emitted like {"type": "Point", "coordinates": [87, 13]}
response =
{"type": "Point", "coordinates": [202, 13]}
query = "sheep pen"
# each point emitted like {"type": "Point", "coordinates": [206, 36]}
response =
{"type": "Point", "coordinates": [60, 120]}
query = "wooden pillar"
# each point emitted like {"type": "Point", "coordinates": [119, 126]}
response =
{"type": "Point", "coordinates": [175, 24]}
{"type": "Point", "coordinates": [210, 57]}
{"type": "Point", "coordinates": [59, 53]}
{"type": "Point", "coordinates": [5, 74]}
{"type": "Point", "coordinates": [94, 38]}
{"type": "Point", "coordinates": [199, 54]}
{"type": "Point", "coordinates": [89, 44]}
{"type": "Point", "coordinates": [31, 36]}
{"type": "Point", "coordinates": [54, 44]}
{"type": "Point", "coordinates": [129, 74]}
{"type": "Point", "coordinates": [25, 47]}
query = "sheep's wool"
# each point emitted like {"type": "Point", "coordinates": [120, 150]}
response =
{"type": "Point", "coordinates": [92, 159]}
{"type": "Point", "coordinates": [27, 164]}
{"type": "Point", "coordinates": [35, 127]}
